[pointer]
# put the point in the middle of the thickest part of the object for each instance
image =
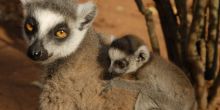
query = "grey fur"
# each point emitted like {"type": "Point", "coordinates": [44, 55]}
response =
{"type": "Point", "coordinates": [73, 82]}
{"type": "Point", "coordinates": [162, 85]}
{"type": "Point", "coordinates": [67, 8]}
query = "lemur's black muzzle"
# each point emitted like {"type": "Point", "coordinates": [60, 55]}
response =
{"type": "Point", "coordinates": [37, 52]}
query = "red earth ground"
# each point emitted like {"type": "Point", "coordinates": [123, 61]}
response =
{"type": "Point", "coordinates": [116, 17]}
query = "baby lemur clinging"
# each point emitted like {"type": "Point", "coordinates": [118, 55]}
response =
{"type": "Point", "coordinates": [127, 55]}
{"type": "Point", "coordinates": [161, 84]}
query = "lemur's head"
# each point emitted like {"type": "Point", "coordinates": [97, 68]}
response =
{"type": "Point", "coordinates": [127, 55]}
{"type": "Point", "coordinates": [54, 29]}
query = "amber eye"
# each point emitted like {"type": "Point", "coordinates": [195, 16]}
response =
{"type": "Point", "coordinates": [29, 27]}
{"type": "Point", "coordinates": [61, 34]}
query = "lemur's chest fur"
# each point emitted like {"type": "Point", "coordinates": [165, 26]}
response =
{"type": "Point", "coordinates": [77, 82]}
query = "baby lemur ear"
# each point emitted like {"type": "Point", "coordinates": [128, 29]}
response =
{"type": "Point", "coordinates": [86, 14]}
{"type": "Point", "coordinates": [142, 54]}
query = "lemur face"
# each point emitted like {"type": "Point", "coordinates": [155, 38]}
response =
{"type": "Point", "coordinates": [46, 32]}
{"type": "Point", "coordinates": [119, 61]}
{"type": "Point", "coordinates": [122, 63]}
{"type": "Point", "coordinates": [51, 32]}
{"type": "Point", "coordinates": [127, 55]}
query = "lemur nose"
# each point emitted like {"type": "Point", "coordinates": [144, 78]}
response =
{"type": "Point", "coordinates": [37, 52]}
{"type": "Point", "coordinates": [34, 54]}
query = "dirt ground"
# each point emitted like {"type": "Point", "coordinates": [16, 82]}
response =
{"type": "Point", "coordinates": [116, 17]}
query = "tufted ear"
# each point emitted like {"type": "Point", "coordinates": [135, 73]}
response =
{"type": "Point", "coordinates": [86, 14]}
{"type": "Point", "coordinates": [142, 54]}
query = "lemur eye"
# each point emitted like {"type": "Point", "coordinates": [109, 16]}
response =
{"type": "Point", "coordinates": [30, 26]}
{"type": "Point", "coordinates": [121, 63]}
{"type": "Point", "coordinates": [61, 31]}
{"type": "Point", "coordinates": [61, 34]}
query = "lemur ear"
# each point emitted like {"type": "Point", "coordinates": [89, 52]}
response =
{"type": "Point", "coordinates": [142, 54]}
{"type": "Point", "coordinates": [86, 14]}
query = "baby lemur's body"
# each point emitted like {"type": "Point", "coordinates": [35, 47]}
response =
{"type": "Point", "coordinates": [60, 36]}
{"type": "Point", "coordinates": [165, 84]}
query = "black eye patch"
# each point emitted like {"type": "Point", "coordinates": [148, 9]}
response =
{"type": "Point", "coordinates": [121, 63]}
{"type": "Point", "coordinates": [30, 26]}
{"type": "Point", "coordinates": [62, 27]}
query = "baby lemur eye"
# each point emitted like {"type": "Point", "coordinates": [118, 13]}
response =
{"type": "Point", "coordinates": [61, 31]}
{"type": "Point", "coordinates": [121, 63]}
{"type": "Point", "coordinates": [30, 26]}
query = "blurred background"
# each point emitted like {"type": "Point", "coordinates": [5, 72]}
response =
{"type": "Point", "coordinates": [17, 72]}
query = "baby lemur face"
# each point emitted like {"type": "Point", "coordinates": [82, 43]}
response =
{"type": "Point", "coordinates": [127, 55]}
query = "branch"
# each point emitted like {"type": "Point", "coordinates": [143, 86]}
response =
{"type": "Point", "coordinates": [194, 55]}
{"type": "Point", "coordinates": [212, 45]}
{"type": "Point", "coordinates": [215, 89]}
{"type": "Point", "coordinates": [182, 13]}
{"type": "Point", "coordinates": [150, 25]}
{"type": "Point", "coordinates": [170, 30]}
{"type": "Point", "coordinates": [140, 6]}
{"type": "Point", "coordinates": [214, 93]}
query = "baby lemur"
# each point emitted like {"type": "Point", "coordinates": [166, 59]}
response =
{"type": "Point", "coordinates": [127, 55]}
{"type": "Point", "coordinates": [166, 84]}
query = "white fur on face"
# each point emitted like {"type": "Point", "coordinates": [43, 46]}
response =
{"type": "Point", "coordinates": [116, 54]}
{"type": "Point", "coordinates": [47, 19]}
{"type": "Point", "coordinates": [68, 47]}
{"type": "Point", "coordinates": [143, 49]}
{"type": "Point", "coordinates": [75, 38]}
{"type": "Point", "coordinates": [134, 64]}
